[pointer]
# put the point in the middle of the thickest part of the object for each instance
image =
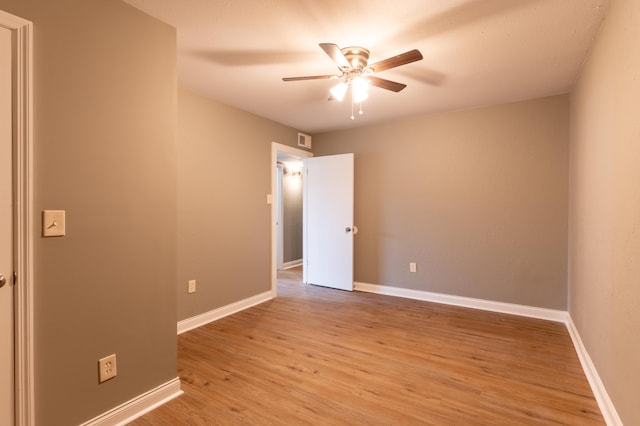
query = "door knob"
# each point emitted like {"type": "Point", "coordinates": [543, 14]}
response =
{"type": "Point", "coordinates": [353, 229]}
{"type": "Point", "coordinates": [3, 280]}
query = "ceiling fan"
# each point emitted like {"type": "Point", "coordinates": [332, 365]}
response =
{"type": "Point", "coordinates": [357, 74]}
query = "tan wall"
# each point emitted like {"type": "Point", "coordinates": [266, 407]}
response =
{"type": "Point", "coordinates": [605, 207]}
{"type": "Point", "coordinates": [478, 199]}
{"type": "Point", "coordinates": [224, 176]}
{"type": "Point", "coordinates": [104, 150]}
{"type": "Point", "coordinates": [292, 218]}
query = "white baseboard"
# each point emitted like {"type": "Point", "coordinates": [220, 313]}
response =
{"type": "Point", "coordinates": [467, 302]}
{"type": "Point", "coordinates": [291, 264]}
{"type": "Point", "coordinates": [137, 407]}
{"type": "Point", "coordinates": [599, 391]}
{"type": "Point", "coordinates": [216, 314]}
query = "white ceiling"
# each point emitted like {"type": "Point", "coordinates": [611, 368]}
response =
{"type": "Point", "coordinates": [476, 52]}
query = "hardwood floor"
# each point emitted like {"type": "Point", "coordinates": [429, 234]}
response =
{"type": "Point", "coordinates": [316, 356]}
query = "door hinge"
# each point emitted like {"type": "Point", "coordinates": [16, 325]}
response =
{"type": "Point", "coordinates": [15, 278]}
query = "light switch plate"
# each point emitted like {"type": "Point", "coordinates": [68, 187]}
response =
{"type": "Point", "coordinates": [192, 286]}
{"type": "Point", "coordinates": [53, 223]}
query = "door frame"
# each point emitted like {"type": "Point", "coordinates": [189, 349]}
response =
{"type": "Point", "coordinates": [277, 148]}
{"type": "Point", "coordinates": [23, 220]}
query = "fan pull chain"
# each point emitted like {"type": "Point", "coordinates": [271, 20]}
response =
{"type": "Point", "coordinates": [360, 111]}
{"type": "Point", "coordinates": [352, 116]}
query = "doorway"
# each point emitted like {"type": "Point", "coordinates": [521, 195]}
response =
{"type": "Point", "coordinates": [285, 177]}
{"type": "Point", "coordinates": [289, 206]}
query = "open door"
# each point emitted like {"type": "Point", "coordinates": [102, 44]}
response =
{"type": "Point", "coordinates": [328, 221]}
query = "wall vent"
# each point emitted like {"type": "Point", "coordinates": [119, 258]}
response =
{"type": "Point", "coordinates": [304, 140]}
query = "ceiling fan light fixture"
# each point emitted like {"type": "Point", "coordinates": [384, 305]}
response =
{"type": "Point", "coordinates": [339, 90]}
{"type": "Point", "coordinates": [357, 74]}
{"type": "Point", "coordinates": [360, 88]}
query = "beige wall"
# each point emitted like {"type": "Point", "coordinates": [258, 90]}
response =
{"type": "Point", "coordinates": [224, 176]}
{"type": "Point", "coordinates": [104, 115]}
{"type": "Point", "coordinates": [605, 207]}
{"type": "Point", "coordinates": [292, 217]}
{"type": "Point", "coordinates": [478, 199]}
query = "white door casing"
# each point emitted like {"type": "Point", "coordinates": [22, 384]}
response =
{"type": "Point", "coordinates": [328, 221]}
{"type": "Point", "coordinates": [22, 124]}
{"type": "Point", "coordinates": [7, 402]}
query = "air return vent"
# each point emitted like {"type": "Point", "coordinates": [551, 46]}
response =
{"type": "Point", "coordinates": [304, 140]}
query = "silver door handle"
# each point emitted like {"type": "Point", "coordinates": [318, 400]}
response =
{"type": "Point", "coordinates": [3, 280]}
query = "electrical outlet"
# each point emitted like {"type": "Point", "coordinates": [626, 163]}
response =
{"type": "Point", "coordinates": [192, 286]}
{"type": "Point", "coordinates": [107, 368]}
{"type": "Point", "coordinates": [413, 267]}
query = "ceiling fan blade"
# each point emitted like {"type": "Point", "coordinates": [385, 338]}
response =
{"type": "Point", "coordinates": [334, 53]}
{"type": "Point", "coordinates": [309, 77]}
{"type": "Point", "coordinates": [395, 61]}
{"type": "Point", "coordinates": [386, 84]}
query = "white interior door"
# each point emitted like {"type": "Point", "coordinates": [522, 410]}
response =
{"type": "Point", "coordinates": [6, 234]}
{"type": "Point", "coordinates": [328, 221]}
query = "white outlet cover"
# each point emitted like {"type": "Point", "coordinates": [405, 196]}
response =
{"type": "Point", "coordinates": [107, 368]}
{"type": "Point", "coordinates": [192, 286]}
{"type": "Point", "coordinates": [53, 223]}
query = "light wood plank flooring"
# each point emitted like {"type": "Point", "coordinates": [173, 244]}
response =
{"type": "Point", "coordinates": [316, 356]}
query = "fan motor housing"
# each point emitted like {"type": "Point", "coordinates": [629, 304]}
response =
{"type": "Point", "coordinates": [357, 56]}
